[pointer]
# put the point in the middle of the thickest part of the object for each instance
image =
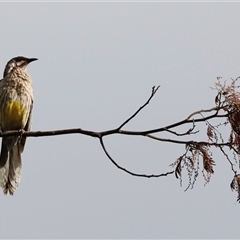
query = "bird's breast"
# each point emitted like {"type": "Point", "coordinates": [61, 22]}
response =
{"type": "Point", "coordinates": [13, 116]}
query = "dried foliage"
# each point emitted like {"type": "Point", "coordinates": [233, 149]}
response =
{"type": "Point", "coordinates": [235, 185]}
{"type": "Point", "coordinates": [210, 133]}
{"type": "Point", "coordinates": [227, 100]}
{"type": "Point", "coordinates": [231, 101]}
{"type": "Point", "coordinates": [190, 161]}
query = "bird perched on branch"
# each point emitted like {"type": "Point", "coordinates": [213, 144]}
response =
{"type": "Point", "coordinates": [16, 103]}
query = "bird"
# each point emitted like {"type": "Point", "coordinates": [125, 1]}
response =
{"type": "Point", "coordinates": [16, 104]}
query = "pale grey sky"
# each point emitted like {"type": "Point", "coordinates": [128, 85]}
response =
{"type": "Point", "coordinates": [97, 65]}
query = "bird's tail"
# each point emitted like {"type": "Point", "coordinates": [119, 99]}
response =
{"type": "Point", "coordinates": [10, 173]}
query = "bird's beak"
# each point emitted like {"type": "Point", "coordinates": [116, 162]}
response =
{"type": "Point", "coordinates": [32, 59]}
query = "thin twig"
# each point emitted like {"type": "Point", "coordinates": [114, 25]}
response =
{"type": "Point", "coordinates": [235, 172]}
{"type": "Point", "coordinates": [127, 171]}
{"type": "Point", "coordinates": [154, 90]}
{"type": "Point", "coordinates": [201, 111]}
{"type": "Point", "coordinates": [188, 132]}
{"type": "Point", "coordinates": [187, 142]}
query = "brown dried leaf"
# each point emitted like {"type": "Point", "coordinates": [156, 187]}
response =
{"type": "Point", "coordinates": [191, 160]}
{"type": "Point", "coordinates": [217, 99]}
{"type": "Point", "coordinates": [231, 139]}
{"type": "Point", "coordinates": [225, 109]}
{"type": "Point", "coordinates": [233, 184]}
{"type": "Point", "coordinates": [178, 170]}
{"type": "Point", "coordinates": [236, 140]}
{"type": "Point", "coordinates": [238, 180]}
{"type": "Point", "coordinates": [238, 186]}
{"type": "Point", "coordinates": [209, 132]}
{"type": "Point", "coordinates": [234, 119]}
{"type": "Point", "coordinates": [208, 163]}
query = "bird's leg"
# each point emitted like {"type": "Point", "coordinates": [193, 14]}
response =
{"type": "Point", "coordinates": [21, 131]}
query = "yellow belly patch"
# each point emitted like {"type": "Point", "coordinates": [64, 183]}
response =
{"type": "Point", "coordinates": [13, 116]}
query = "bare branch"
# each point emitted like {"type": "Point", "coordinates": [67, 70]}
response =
{"type": "Point", "coordinates": [202, 111]}
{"type": "Point", "coordinates": [188, 132]}
{"type": "Point", "coordinates": [154, 90]}
{"type": "Point", "coordinates": [105, 133]}
{"type": "Point", "coordinates": [162, 129]}
{"type": "Point", "coordinates": [187, 142]}
{"type": "Point", "coordinates": [127, 171]}
{"type": "Point", "coordinates": [49, 133]}
{"type": "Point", "coordinates": [232, 166]}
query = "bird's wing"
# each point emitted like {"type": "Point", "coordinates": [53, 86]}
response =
{"type": "Point", "coordinates": [26, 128]}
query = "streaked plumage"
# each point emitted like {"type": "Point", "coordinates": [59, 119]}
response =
{"type": "Point", "coordinates": [16, 103]}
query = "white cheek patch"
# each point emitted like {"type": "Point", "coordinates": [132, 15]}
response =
{"type": "Point", "coordinates": [11, 66]}
{"type": "Point", "coordinates": [19, 63]}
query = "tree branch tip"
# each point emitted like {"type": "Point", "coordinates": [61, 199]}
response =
{"type": "Point", "coordinates": [154, 88]}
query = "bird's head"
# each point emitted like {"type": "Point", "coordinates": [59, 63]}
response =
{"type": "Point", "coordinates": [20, 62]}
